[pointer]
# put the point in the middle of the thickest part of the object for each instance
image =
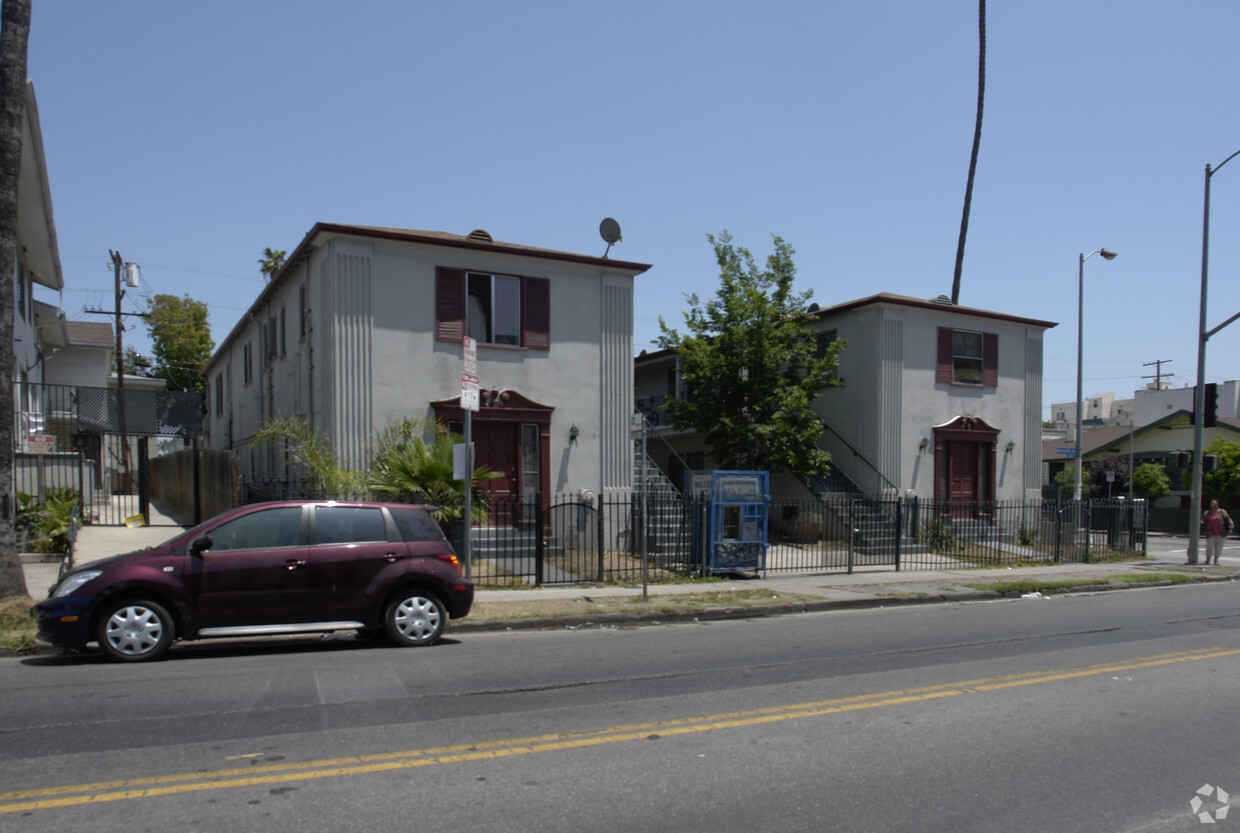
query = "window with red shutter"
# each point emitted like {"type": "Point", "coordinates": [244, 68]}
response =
{"type": "Point", "coordinates": [505, 310]}
{"type": "Point", "coordinates": [449, 304]}
{"type": "Point", "coordinates": [967, 357]}
{"type": "Point", "coordinates": [537, 313]}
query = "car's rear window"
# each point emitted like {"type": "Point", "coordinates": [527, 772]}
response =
{"type": "Point", "coordinates": [349, 524]}
{"type": "Point", "coordinates": [416, 524]}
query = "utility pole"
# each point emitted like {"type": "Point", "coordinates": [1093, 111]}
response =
{"type": "Point", "coordinates": [1158, 374]}
{"type": "Point", "coordinates": [131, 270]}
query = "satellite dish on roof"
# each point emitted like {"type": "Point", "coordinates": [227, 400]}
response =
{"type": "Point", "coordinates": [609, 230]}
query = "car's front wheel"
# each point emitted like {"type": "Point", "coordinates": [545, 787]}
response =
{"type": "Point", "coordinates": [414, 619]}
{"type": "Point", "coordinates": [135, 630]}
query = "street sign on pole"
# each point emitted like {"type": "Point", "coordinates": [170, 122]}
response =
{"type": "Point", "coordinates": [469, 391]}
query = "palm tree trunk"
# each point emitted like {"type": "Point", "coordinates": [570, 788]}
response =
{"type": "Point", "coordinates": [977, 141]}
{"type": "Point", "coordinates": [14, 33]}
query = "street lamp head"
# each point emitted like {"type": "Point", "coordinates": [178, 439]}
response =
{"type": "Point", "coordinates": [1107, 254]}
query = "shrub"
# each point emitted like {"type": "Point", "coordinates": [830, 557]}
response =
{"type": "Point", "coordinates": [46, 529]}
{"type": "Point", "coordinates": [938, 535]}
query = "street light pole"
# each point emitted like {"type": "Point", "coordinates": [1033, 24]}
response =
{"type": "Point", "coordinates": [1107, 254]}
{"type": "Point", "coordinates": [1199, 394]}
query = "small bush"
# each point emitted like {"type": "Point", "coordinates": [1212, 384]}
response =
{"type": "Point", "coordinates": [46, 529]}
{"type": "Point", "coordinates": [938, 535]}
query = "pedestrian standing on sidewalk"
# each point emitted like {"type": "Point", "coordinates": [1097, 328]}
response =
{"type": "Point", "coordinates": [1217, 525]}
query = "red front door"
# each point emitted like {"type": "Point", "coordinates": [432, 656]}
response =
{"type": "Point", "coordinates": [962, 471]}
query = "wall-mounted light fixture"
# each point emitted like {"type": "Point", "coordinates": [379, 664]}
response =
{"type": "Point", "coordinates": [572, 435]}
{"type": "Point", "coordinates": [925, 443]}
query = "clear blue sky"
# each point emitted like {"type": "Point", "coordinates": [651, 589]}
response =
{"type": "Point", "coordinates": [189, 136]}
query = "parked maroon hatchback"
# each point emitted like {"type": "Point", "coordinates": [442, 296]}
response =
{"type": "Point", "coordinates": [266, 569]}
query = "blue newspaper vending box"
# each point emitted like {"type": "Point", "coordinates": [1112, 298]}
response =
{"type": "Point", "coordinates": [733, 529]}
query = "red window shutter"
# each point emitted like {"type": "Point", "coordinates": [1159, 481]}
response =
{"type": "Point", "coordinates": [943, 370]}
{"type": "Point", "coordinates": [990, 360]}
{"type": "Point", "coordinates": [536, 313]}
{"type": "Point", "coordinates": [449, 304]}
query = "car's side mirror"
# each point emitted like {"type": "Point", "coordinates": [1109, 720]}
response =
{"type": "Point", "coordinates": [200, 544]}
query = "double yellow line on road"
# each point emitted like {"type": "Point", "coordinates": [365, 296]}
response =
{"type": "Point", "coordinates": [162, 785]}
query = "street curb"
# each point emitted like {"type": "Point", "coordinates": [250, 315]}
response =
{"type": "Point", "coordinates": [765, 611]}
{"type": "Point", "coordinates": [730, 612]}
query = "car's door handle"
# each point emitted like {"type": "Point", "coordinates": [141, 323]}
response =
{"type": "Point", "coordinates": [391, 556]}
{"type": "Point", "coordinates": [293, 565]}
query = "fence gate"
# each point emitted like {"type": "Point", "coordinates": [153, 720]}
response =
{"type": "Point", "coordinates": [99, 443]}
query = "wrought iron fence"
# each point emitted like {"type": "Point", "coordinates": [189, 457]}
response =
{"type": "Point", "coordinates": [857, 532]}
{"type": "Point", "coordinates": [610, 539]}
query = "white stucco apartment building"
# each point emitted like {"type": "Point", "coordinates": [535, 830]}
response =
{"type": "Point", "coordinates": [937, 401]}
{"type": "Point", "coordinates": [364, 326]}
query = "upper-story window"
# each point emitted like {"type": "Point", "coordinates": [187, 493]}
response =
{"type": "Point", "coordinates": [503, 310]}
{"type": "Point", "coordinates": [493, 309]}
{"type": "Point", "coordinates": [219, 394]}
{"type": "Point", "coordinates": [301, 312]}
{"type": "Point", "coordinates": [247, 358]}
{"type": "Point", "coordinates": [968, 357]}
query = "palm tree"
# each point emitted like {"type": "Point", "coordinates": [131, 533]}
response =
{"type": "Point", "coordinates": [977, 141]}
{"type": "Point", "coordinates": [413, 462]}
{"type": "Point", "coordinates": [271, 262]}
{"type": "Point", "coordinates": [14, 34]}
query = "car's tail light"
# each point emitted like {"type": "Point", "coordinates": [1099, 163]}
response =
{"type": "Point", "coordinates": [451, 559]}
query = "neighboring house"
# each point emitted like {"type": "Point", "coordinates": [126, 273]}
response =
{"type": "Point", "coordinates": [364, 326]}
{"type": "Point", "coordinates": [1155, 405]}
{"type": "Point", "coordinates": [81, 355]}
{"type": "Point", "coordinates": [1160, 442]}
{"type": "Point", "coordinates": [935, 401]}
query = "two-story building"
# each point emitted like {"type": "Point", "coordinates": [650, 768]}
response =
{"type": "Point", "coordinates": [364, 326]}
{"type": "Point", "coordinates": [935, 400]}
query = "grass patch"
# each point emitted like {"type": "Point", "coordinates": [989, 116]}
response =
{"type": "Point", "coordinates": [1032, 585]}
{"type": "Point", "coordinates": [586, 605]}
{"type": "Point", "coordinates": [1134, 578]}
{"type": "Point", "coordinates": [17, 627]}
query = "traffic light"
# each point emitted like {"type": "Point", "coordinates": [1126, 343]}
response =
{"type": "Point", "coordinates": [1210, 419]}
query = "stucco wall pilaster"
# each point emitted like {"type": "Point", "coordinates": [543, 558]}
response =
{"type": "Point", "coordinates": [616, 385]}
{"type": "Point", "coordinates": [890, 399]}
{"type": "Point", "coordinates": [351, 327]}
{"type": "Point", "coordinates": [1031, 451]}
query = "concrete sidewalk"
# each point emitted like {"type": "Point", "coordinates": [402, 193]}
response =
{"type": "Point", "coordinates": [739, 598]}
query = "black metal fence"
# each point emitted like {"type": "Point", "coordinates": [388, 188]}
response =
{"type": "Point", "coordinates": [567, 541]}
{"type": "Point", "coordinates": [664, 535]}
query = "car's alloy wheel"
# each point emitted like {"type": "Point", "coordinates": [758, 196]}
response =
{"type": "Point", "coordinates": [416, 619]}
{"type": "Point", "coordinates": [135, 630]}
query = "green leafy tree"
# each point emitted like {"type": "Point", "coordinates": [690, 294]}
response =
{"type": "Point", "coordinates": [1150, 480]}
{"type": "Point", "coordinates": [181, 341]}
{"type": "Point", "coordinates": [750, 366]}
{"type": "Point", "coordinates": [408, 460]}
{"type": "Point", "coordinates": [1066, 481]}
{"type": "Point", "coordinates": [313, 454]}
{"type": "Point", "coordinates": [14, 35]}
{"type": "Point", "coordinates": [137, 364]}
{"type": "Point", "coordinates": [1224, 480]}
{"type": "Point", "coordinates": [1096, 471]}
